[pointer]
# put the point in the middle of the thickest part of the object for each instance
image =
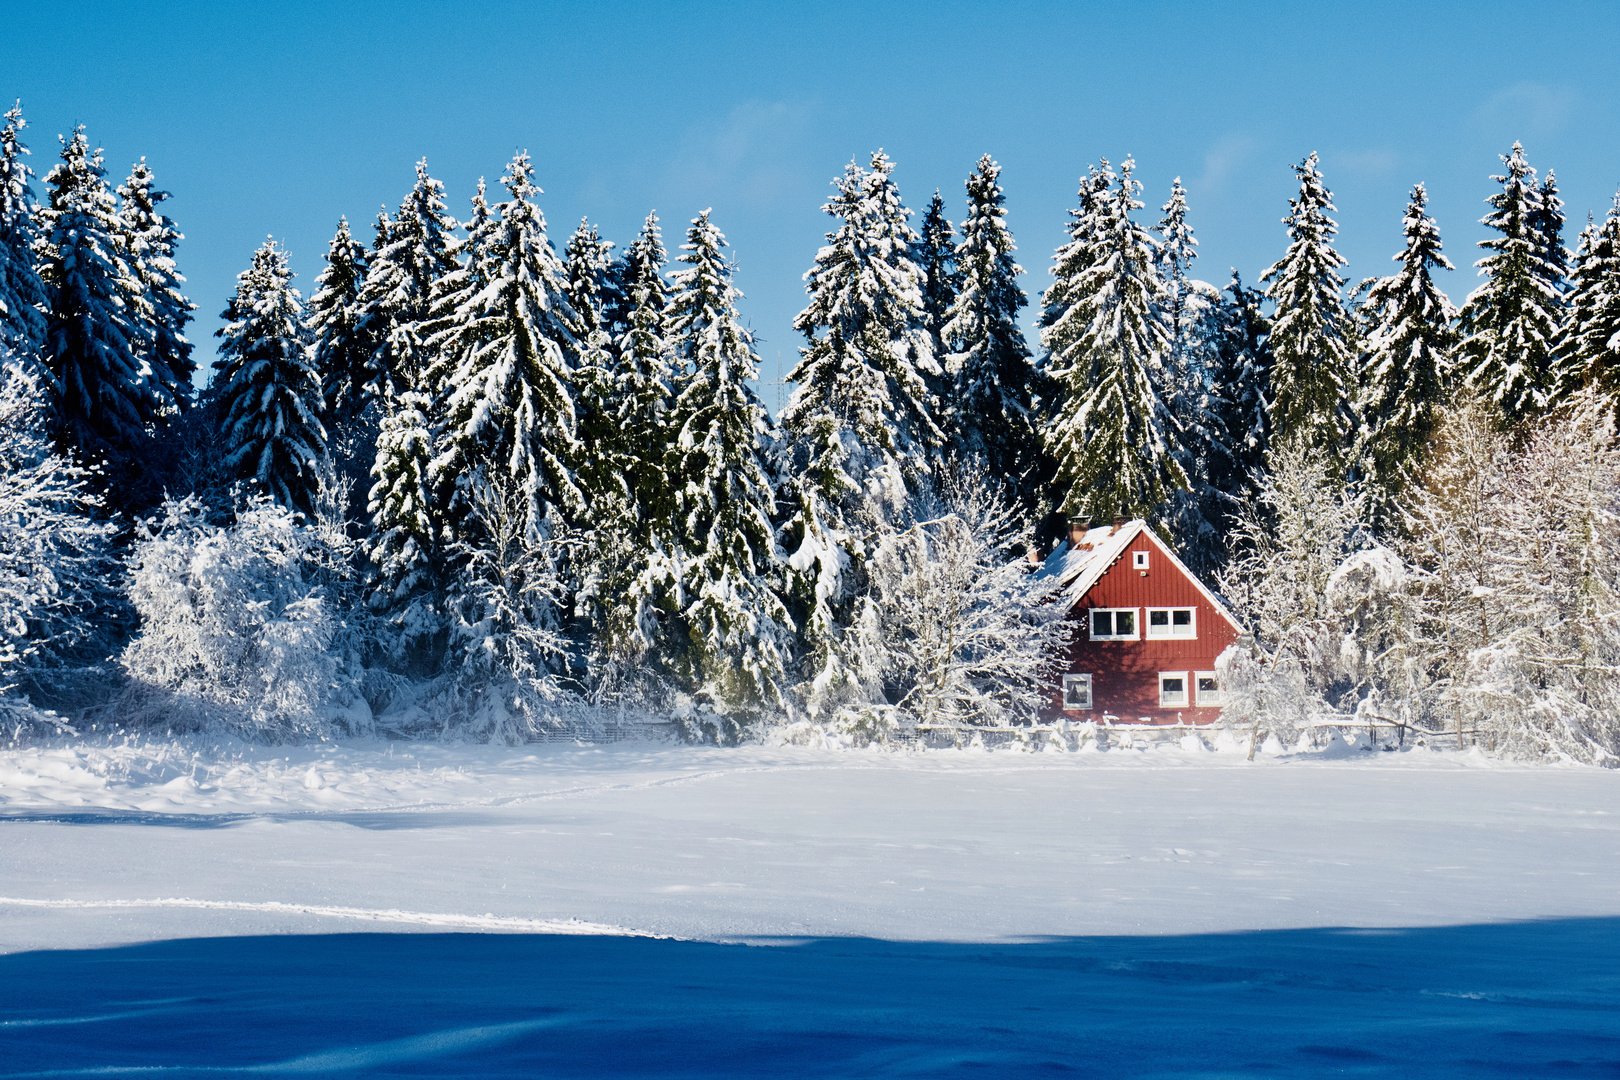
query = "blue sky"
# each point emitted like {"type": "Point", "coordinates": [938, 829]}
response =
{"type": "Point", "coordinates": [277, 118]}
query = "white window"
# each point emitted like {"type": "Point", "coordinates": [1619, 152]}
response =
{"type": "Point", "coordinates": [1113, 624]}
{"type": "Point", "coordinates": [1077, 691]}
{"type": "Point", "coordinates": [1172, 689]}
{"type": "Point", "coordinates": [1208, 688]}
{"type": "Point", "coordinates": [1139, 560]}
{"type": "Point", "coordinates": [1174, 622]}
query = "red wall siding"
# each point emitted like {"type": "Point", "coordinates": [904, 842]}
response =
{"type": "Point", "coordinates": [1125, 674]}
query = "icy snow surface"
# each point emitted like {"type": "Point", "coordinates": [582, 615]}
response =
{"type": "Point", "coordinates": [945, 907]}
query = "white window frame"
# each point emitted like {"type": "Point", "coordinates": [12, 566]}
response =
{"type": "Point", "coordinates": [1136, 623]}
{"type": "Point", "coordinates": [1139, 560]}
{"type": "Point", "coordinates": [1185, 690]}
{"type": "Point", "coordinates": [1170, 628]}
{"type": "Point", "coordinates": [1211, 698]}
{"type": "Point", "coordinates": [1073, 680]}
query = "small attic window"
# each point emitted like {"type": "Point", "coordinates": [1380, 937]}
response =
{"type": "Point", "coordinates": [1139, 560]}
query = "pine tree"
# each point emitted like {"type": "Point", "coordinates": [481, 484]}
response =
{"type": "Point", "coordinates": [267, 384]}
{"type": "Point", "coordinates": [149, 240]}
{"type": "Point", "coordinates": [1547, 226]}
{"type": "Point", "coordinates": [1242, 405]}
{"type": "Point", "coordinates": [869, 353]}
{"type": "Point", "coordinates": [645, 374]}
{"type": "Point", "coordinates": [1192, 393]}
{"type": "Point", "coordinates": [860, 422]}
{"type": "Point", "coordinates": [1510, 323]}
{"type": "Point", "coordinates": [936, 257]}
{"type": "Point", "coordinates": [23, 299]}
{"type": "Point", "coordinates": [509, 409]}
{"type": "Point", "coordinates": [1591, 334]}
{"type": "Point", "coordinates": [108, 396]}
{"type": "Point", "coordinates": [991, 408]}
{"type": "Point", "coordinates": [343, 351]}
{"type": "Point", "coordinates": [1178, 248]}
{"type": "Point", "coordinates": [1406, 366]}
{"type": "Point", "coordinates": [629, 581]}
{"type": "Point", "coordinates": [1114, 439]}
{"type": "Point", "coordinates": [405, 548]}
{"type": "Point", "coordinates": [1311, 359]}
{"type": "Point", "coordinates": [413, 251]}
{"type": "Point", "coordinates": [602, 463]}
{"type": "Point", "coordinates": [739, 630]}
{"type": "Point", "coordinates": [591, 280]}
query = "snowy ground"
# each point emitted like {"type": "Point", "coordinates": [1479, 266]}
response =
{"type": "Point", "coordinates": [1093, 911]}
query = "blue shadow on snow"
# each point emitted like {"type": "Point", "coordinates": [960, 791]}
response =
{"type": "Point", "coordinates": [1513, 1000]}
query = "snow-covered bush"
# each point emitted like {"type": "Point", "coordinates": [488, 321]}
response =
{"type": "Point", "coordinates": [56, 603]}
{"type": "Point", "coordinates": [1288, 543]}
{"type": "Point", "coordinates": [233, 633]}
{"type": "Point", "coordinates": [955, 629]}
{"type": "Point", "coordinates": [1516, 556]}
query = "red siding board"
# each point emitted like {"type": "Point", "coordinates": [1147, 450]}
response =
{"type": "Point", "coordinates": [1125, 674]}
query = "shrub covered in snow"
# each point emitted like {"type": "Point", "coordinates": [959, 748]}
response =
{"type": "Point", "coordinates": [56, 566]}
{"type": "Point", "coordinates": [232, 631]}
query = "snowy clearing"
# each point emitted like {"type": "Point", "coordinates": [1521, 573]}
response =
{"type": "Point", "coordinates": [170, 839]}
{"type": "Point", "coordinates": [1163, 912]}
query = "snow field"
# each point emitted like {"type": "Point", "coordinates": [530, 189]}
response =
{"type": "Point", "coordinates": [142, 842]}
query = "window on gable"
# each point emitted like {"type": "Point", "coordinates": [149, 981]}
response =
{"type": "Point", "coordinates": [1172, 689]}
{"type": "Point", "coordinates": [1077, 691]}
{"type": "Point", "coordinates": [1113, 624]}
{"type": "Point", "coordinates": [1209, 689]}
{"type": "Point", "coordinates": [1177, 622]}
{"type": "Point", "coordinates": [1139, 560]}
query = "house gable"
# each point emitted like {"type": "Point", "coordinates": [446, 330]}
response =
{"type": "Point", "coordinates": [1164, 629]}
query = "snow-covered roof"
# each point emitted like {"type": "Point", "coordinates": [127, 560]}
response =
{"type": "Point", "coordinates": [1077, 568]}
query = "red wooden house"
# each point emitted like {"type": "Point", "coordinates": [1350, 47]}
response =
{"type": "Point", "coordinates": [1148, 631]}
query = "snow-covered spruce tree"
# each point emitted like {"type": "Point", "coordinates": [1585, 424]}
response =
{"type": "Point", "coordinates": [1547, 226]}
{"type": "Point", "coordinates": [505, 604]}
{"type": "Point", "coordinates": [1242, 376]}
{"type": "Point", "coordinates": [109, 397]}
{"type": "Point", "coordinates": [967, 635]}
{"type": "Point", "coordinates": [936, 257]}
{"type": "Point", "coordinates": [23, 298]}
{"type": "Point", "coordinates": [509, 403]}
{"type": "Point", "coordinates": [739, 636]}
{"type": "Point", "coordinates": [267, 385]}
{"type": "Point", "coordinates": [1590, 337]}
{"type": "Point", "coordinates": [1193, 395]}
{"type": "Point", "coordinates": [1312, 363]}
{"type": "Point", "coordinates": [1406, 363]}
{"type": "Point", "coordinates": [1510, 323]}
{"type": "Point", "coordinates": [413, 251]}
{"type": "Point", "coordinates": [602, 462]}
{"type": "Point", "coordinates": [990, 412]}
{"type": "Point", "coordinates": [645, 374]}
{"type": "Point", "coordinates": [56, 569]}
{"type": "Point", "coordinates": [591, 281]}
{"type": "Point", "coordinates": [149, 240]}
{"type": "Point", "coordinates": [404, 548]}
{"type": "Point", "coordinates": [630, 579]}
{"type": "Point", "coordinates": [232, 634]}
{"type": "Point", "coordinates": [861, 424]}
{"type": "Point", "coordinates": [1113, 437]}
{"type": "Point", "coordinates": [343, 351]}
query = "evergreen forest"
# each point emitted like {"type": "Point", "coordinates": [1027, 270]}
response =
{"type": "Point", "coordinates": [481, 481]}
